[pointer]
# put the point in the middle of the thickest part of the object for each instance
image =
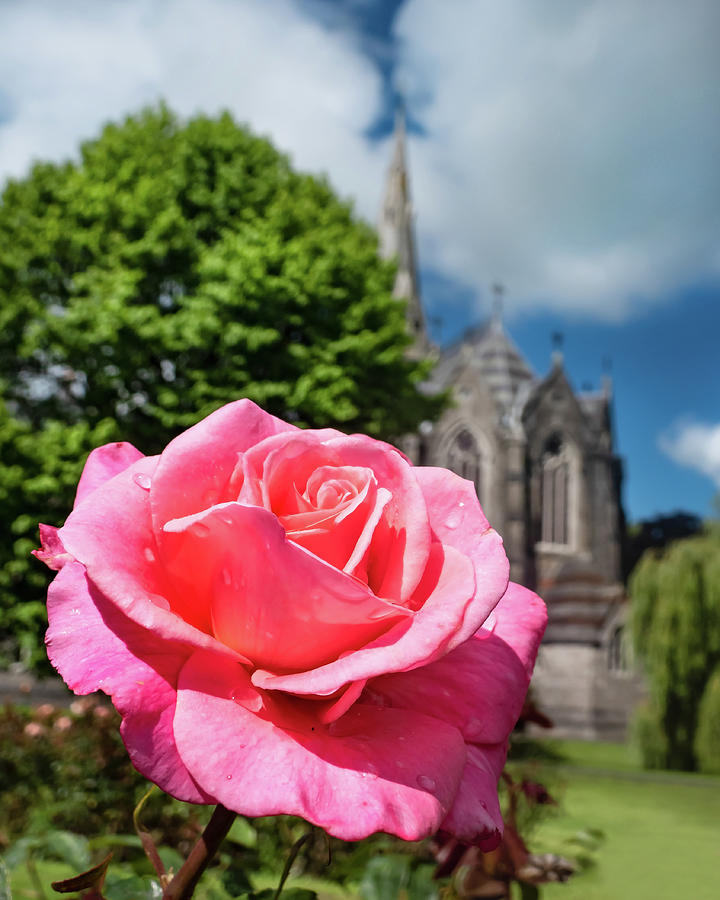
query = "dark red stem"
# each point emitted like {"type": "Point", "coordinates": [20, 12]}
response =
{"type": "Point", "coordinates": [184, 883]}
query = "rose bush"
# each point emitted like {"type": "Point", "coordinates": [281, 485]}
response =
{"type": "Point", "coordinates": [296, 621]}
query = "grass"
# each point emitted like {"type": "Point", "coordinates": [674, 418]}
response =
{"type": "Point", "coordinates": [661, 829]}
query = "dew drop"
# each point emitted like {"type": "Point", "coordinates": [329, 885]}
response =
{"type": "Point", "coordinates": [229, 777]}
{"type": "Point", "coordinates": [209, 498]}
{"type": "Point", "coordinates": [372, 769]}
{"type": "Point", "coordinates": [200, 529]}
{"type": "Point", "coordinates": [426, 782]}
{"type": "Point", "coordinates": [473, 729]}
{"type": "Point", "coordinates": [454, 519]}
{"type": "Point", "coordinates": [142, 480]}
{"type": "Point", "coordinates": [75, 612]}
{"type": "Point", "coordinates": [149, 555]}
{"type": "Point", "coordinates": [227, 577]}
{"type": "Point", "coordinates": [461, 504]}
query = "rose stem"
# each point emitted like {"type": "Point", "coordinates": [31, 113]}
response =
{"type": "Point", "coordinates": [184, 883]}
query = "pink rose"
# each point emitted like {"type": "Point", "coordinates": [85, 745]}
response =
{"type": "Point", "coordinates": [296, 622]}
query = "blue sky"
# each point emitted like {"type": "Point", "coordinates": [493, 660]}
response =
{"type": "Point", "coordinates": [567, 148]}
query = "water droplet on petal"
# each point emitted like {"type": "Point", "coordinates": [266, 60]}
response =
{"type": "Point", "coordinates": [372, 768]}
{"type": "Point", "coordinates": [426, 782]}
{"type": "Point", "coordinates": [461, 504]}
{"type": "Point", "coordinates": [142, 480]}
{"type": "Point", "coordinates": [229, 777]}
{"type": "Point", "coordinates": [200, 529]}
{"type": "Point", "coordinates": [473, 729]}
{"type": "Point", "coordinates": [454, 519]}
{"type": "Point", "coordinates": [227, 577]}
{"type": "Point", "coordinates": [149, 555]}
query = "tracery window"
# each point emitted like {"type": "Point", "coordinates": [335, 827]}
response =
{"type": "Point", "coordinates": [465, 459]}
{"type": "Point", "coordinates": [555, 489]}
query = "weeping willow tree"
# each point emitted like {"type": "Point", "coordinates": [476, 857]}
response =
{"type": "Point", "coordinates": [676, 633]}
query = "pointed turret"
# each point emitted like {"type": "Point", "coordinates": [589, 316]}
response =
{"type": "Point", "coordinates": [397, 235]}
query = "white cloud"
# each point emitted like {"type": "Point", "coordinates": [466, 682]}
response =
{"type": "Point", "coordinates": [571, 148]}
{"type": "Point", "coordinates": [696, 445]}
{"type": "Point", "coordinates": [66, 68]}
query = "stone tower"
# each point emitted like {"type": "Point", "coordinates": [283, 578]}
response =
{"type": "Point", "coordinates": [543, 461]}
{"type": "Point", "coordinates": [396, 229]}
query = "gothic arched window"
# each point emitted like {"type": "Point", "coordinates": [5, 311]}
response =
{"type": "Point", "coordinates": [465, 459]}
{"type": "Point", "coordinates": [555, 490]}
{"type": "Point", "coordinates": [617, 655]}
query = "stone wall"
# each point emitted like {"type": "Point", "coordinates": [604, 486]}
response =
{"type": "Point", "coordinates": [587, 699]}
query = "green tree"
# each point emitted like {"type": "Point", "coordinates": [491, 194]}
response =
{"type": "Point", "coordinates": [676, 630]}
{"type": "Point", "coordinates": [707, 736]}
{"type": "Point", "coordinates": [173, 268]}
{"type": "Point", "coordinates": [179, 266]}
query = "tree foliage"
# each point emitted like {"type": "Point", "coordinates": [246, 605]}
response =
{"type": "Point", "coordinates": [707, 736]}
{"type": "Point", "coordinates": [175, 267]}
{"type": "Point", "coordinates": [676, 631]}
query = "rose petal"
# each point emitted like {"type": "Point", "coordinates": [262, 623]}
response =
{"type": "Point", "coordinates": [436, 628]}
{"type": "Point", "coordinates": [195, 469]}
{"type": "Point", "coordinates": [113, 538]}
{"type": "Point", "coordinates": [480, 686]}
{"type": "Point", "coordinates": [277, 468]}
{"type": "Point", "coordinates": [454, 510]}
{"type": "Point", "coordinates": [52, 552]}
{"type": "Point", "coordinates": [333, 534]}
{"type": "Point", "coordinates": [520, 620]}
{"type": "Point", "coordinates": [458, 521]}
{"type": "Point", "coordinates": [136, 670]}
{"type": "Point", "coordinates": [400, 544]}
{"type": "Point", "coordinates": [104, 463]}
{"type": "Point", "coordinates": [273, 602]}
{"type": "Point", "coordinates": [475, 816]}
{"type": "Point", "coordinates": [395, 772]}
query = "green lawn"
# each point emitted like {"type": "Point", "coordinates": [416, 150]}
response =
{"type": "Point", "coordinates": [662, 829]}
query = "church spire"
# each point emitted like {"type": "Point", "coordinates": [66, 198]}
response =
{"type": "Point", "coordinates": [397, 233]}
{"type": "Point", "coordinates": [497, 307]}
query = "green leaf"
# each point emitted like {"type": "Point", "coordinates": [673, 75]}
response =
{"type": "Point", "coordinates": [132, 887]}
{"type": "Point", "coordinates": [69, 848]}
{"type": "Point", "coordinates": [242, 832]}
{"type": "Point", "coordinates": [384, 877]}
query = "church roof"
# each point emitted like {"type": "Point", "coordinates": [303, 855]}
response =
{"type": "Point", "coordinates": [489, 349]}
{"type": "Point", "coordinates": [594, 405]}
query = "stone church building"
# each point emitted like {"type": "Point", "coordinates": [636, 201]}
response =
{"type": "Point", "coordinates": [544, 464]}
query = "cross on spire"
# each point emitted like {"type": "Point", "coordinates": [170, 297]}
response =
{"type": "Point", "coordinates": [498, 290]}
